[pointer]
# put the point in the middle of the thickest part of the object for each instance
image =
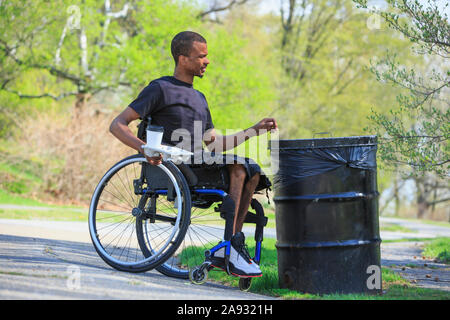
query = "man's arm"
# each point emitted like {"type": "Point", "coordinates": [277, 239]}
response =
{"type": "Point", "coordinates": [218, 143]}
{"type": "Point", "coordinates": [119, 128]}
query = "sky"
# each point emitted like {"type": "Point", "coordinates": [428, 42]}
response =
{"type": "Point", "coordinates": [274, 5]}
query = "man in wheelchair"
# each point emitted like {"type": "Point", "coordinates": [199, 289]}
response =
{"type": "Point", "coordinates": [174, 104]}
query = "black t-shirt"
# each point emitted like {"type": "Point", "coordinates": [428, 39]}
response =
{"type": "Point", "coordinates": [179, 108]}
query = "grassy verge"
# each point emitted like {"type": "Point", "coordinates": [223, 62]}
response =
{"type": "Point", "coordinates": [269, 212]}
{"type": "Point", "coordinates": [395, 228]}
{"type": "Point", "coordinates": [18, 175]}
{"type": "Point", "coordinates": [430, 222]}
{"type": "Point", "coordinates": [438, 249]}
{"type": "Point", "coordinates": [394, 286]}
{"type": "Point", "coordinates": [17, 199]}
{"type": "Point", "coordinates": [54, 214]}
{"type": "Point", "coordinates": [38, 210]}
{"type": "Point", "coordinates": [408, 240]}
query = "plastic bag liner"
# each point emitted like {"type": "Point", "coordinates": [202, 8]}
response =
{"type": "Point", "coordinates": [302, 158]}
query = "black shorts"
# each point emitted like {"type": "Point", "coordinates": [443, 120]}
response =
{"type": "Point", "coordinates": [211, 170]}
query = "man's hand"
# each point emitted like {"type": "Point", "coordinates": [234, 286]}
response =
{"type": "Point", "coordinates": [154, 160]}
{"type": "Point", "coordinates": [218, 143]}
{"type": "Point", "coordinates": [265, 124]}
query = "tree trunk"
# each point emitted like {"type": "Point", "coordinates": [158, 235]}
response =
{"type": "Point", "coordinates": [422, 206]}
{"type": "Point", "coordinates": [396, 197]}
{"type": "Point", "coordinates": [81, 100]}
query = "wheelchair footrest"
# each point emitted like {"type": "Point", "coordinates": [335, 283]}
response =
{"type": "Point", "coordinates": [253, 218]}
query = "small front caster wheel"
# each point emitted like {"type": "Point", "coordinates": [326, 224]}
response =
{"type": "Point", "coordinates": [245, 284]}
{"type": "Point", "coordinates": [198, 275]}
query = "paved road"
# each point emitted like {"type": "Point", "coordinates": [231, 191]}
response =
{"type": "Point", "coordinates": [420, 230]}
{"type": "Point", "coordinates": [56, 260]}
{"type": "Point", "coordinates": [40, 268]}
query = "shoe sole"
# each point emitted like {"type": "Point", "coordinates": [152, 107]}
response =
{"type": "Point", "coordinates": [236, 274]}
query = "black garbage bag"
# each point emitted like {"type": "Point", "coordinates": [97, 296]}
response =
{"type": "Point", "coordinates": [302, 158]}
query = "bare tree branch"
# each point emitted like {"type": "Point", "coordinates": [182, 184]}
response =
{"type": "Point", "coordinates": [44, 95]}
{"type": "Point", "coordinates": [53, 70]}
{"type": "Point", "coordinates": [217, 8]}
{"type": "Point", "coordinates": [60, 43]}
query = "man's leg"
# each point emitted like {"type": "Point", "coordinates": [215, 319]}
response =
{"type": "Point", "coordinates": [241, 194]}
{"type": "Point", "coordinates": [240, 260]}
{"type": "Point", "coordinates": [237, 178]}
{"type": "Point", "coordinates": [246, 198]}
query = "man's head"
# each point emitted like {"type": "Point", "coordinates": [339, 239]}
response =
{"type": "Point", "coordinates": [189, 51]}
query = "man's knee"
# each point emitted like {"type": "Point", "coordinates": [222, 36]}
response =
{"type": "Point", "coordinates": [237, 171]}
{"type": "Point", "coordinates": [255, 178]}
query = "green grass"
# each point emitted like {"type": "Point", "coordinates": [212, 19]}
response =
{"type": "Point", "coordinates": [394, 286]}
{"type": "Point", "coordinates": [431, 222]}
{"type": "Point", "coordinates": [439, 249]}
{"type": "Point", "coordinates": [54, 214]}
{"type": "Point", "coordinates": [18, 175]}
{"type": "Point", "coordinates": [17, 199]}
{"type": "Point", "coordinates": [408, 240]}
{"type": "Point", "coordinates": [395, 228]}
{"type": "Point", "coordinates": [39, 210]}
{"type": "Point", "coordinates": [270, 214]}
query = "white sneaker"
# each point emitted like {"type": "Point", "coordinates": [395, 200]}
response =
{"type": "Point", "coordinates": [241, 264]}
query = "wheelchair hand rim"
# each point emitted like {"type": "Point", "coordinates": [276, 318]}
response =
{"type": "Point", "coordinates": [93, 204]}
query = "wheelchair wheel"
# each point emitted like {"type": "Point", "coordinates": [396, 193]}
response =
{"type": "Point", "coordinates": [245, 284]}
{"type": "Point", "coordinates": [198, 275]}
{"type": "Point", "coordinates": [125, 199]}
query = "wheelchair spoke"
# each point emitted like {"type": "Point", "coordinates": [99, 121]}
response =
{"type": "Point", "coordinates": [115, 224]}
{"type": "Point", "coordinates": [113, 216]}
{"type": "Point", "coordinates": [124, 231]}
{"type": "Point", "coordinates": [133, 203]}
{"type": "Point", "coordinates": [208, 231]}
{"type": "Point", "coordinates": [117, 234]}
{"type": "Point", "coordinates": [122, 196]}
{"type": "Point", "coordinates": [167, 205]}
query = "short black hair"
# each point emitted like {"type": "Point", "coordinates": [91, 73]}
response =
{"type": "Point", "coordinates": [182, 43]}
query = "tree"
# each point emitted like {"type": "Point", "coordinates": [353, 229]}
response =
{"type": "Point", "coordinates": [416, 134]}
{"type": "Point", "coordinates": [46, 59]}
{"type": "Point", "coordinates": [325, 47]}
{"type": "Point", "coordinates": [93, 46]}
{"type": "Point", "coordinates": [43, 40]}
{"type": "Point", "coordinates": [216, 7]}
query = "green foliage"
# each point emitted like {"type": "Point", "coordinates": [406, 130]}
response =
{"type": "Point", "coordinates": [18, 175]}
{"type": "Point", "coordinates": [146, 53]}
{"type": "Point", "coordinates": [416, 133]}
{"type": "Point", "coordinates": [234, 82]}
{"type": "Point", "coordinates": [327, 85]}
{"type": "Point", "coordinates": [69, 48]}
{"type": "Point", "coordinates": [319, 81]}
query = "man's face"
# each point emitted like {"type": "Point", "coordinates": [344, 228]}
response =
{"type": "Point", "coordinates": [197, 61]}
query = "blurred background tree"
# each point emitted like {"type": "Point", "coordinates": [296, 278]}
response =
{"type": "Point", "coordinates": [325, 49]}
{"type": "Point", "coordinates": [414, 136]}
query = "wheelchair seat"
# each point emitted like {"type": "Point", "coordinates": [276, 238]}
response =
{"type": "Point", "coordinates": [198, 177]}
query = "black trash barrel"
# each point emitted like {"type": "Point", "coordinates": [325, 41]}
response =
{"type": "Point", "coordinates": [326, 205]}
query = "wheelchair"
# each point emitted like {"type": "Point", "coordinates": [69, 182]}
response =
{"type": "Point", "coordinates": [172, 217]}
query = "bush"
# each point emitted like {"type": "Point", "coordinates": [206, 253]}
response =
{"type": "Point", "coordinates": [74, 151]}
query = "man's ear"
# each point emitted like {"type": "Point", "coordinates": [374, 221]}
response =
{"type": "Point", "coordinates": [182, 60]}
